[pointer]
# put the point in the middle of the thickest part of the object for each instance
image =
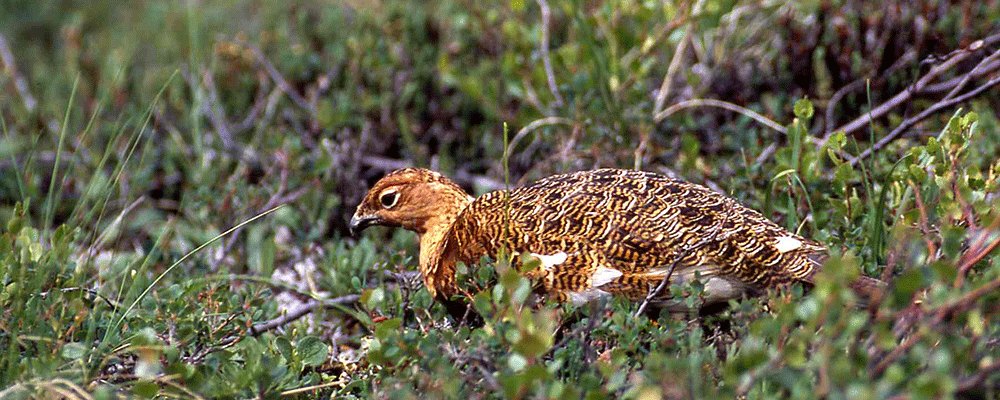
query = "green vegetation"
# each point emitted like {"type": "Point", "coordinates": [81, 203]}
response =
{"type": "Point", "coordinates": [139, 142]}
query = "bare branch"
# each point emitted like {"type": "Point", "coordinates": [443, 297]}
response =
{"type": "Point", "coordinates": [924, 225]}
{"type": "Point", "coordinates": [279, 80]}
{"type": "Point", "coordinates": [896, 133]}
{"type": "Point", "coordinates": [904, 96]}
{"type": "Point", "coordinates": [984, 373]}
{"type": "Point", "coordinates": [831, 105]}
{"type": "Point", "coordinates": [986, 241]}
{"type": "Point", "coordinates": [675, 62]}
{"type": "Point", "coordinates": [302, 311]}
{"type": "Point", "coordinates": [661, 96]}
{"type": "Point", "coordinates": [546, 60]}
{"type": "Point", "coordinates": [724, 105]}
{"type": "Point", "coordinates": [217, 114]}
{"type": "Point", "coordinates": [21, 84]}
{"type": "Point", "coordinates": [538, 123]}
{"type": "Point", "coordinates": [680, 256]}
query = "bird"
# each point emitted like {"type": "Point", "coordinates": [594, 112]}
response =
{"type": "Point", "coordinates": [595, 234]}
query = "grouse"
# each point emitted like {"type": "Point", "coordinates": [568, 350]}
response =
{"type": "Point", "coordinates": [606, 232]}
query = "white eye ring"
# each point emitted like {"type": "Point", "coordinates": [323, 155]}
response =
{"type": "Point", "coordinates": [389, 199]}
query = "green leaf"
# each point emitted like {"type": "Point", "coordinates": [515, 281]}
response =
{"type": "Point", "coordinates": [284, 347]}
{"type": "Point", "coordinates": [312, 350]}
{"type": "Point", "coordinates": [969, 119]}
{"type": "Point", "coordinates": [74, 350]}
{"type": "Point", "coordinates": [954, 125]}
{"type": "Point", "coordinates": [803, 109]}
{"type": "Point", "coordinates": [384, 328]}
{"type": "Point", "coordinates": [145, 389]}
{"type": "Point", "coordinates": [372, 298]}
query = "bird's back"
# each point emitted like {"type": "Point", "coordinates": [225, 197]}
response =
{"type": "Point", "coordinates": [621, 232]}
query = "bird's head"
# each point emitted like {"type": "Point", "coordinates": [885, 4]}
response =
{"type": "Point", "coordinates": [411, 198]}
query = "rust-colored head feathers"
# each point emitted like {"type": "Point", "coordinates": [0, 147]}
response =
{"type": "Point", "coordinates": [596, 233]}
{"type": "Point", "coordinates": [410, 198]}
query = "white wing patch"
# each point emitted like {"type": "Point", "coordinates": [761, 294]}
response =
{"type": "Point", "coordinates": [551, 260]}
{"type": "Point", "coordinates": [602, 276]}
{"type": "Point", "coordinates": [585, 296]}
{"type": "Point", "coordinates": [787, 243]}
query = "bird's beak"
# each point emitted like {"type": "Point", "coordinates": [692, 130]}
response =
{"type": "Point", "coordinates": [359, 224]}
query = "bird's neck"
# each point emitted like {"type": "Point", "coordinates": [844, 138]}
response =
{"type": "Point", "coordinates": [438, 270]}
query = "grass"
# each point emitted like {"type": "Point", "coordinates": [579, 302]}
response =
{"type": "Point", "coordinates": [147, 252]}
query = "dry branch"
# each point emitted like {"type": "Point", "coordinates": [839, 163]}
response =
{"type": "Point", "coordinates": [279, 79]}
{"type": "Point", "coordinates": [924, 85]}
{"type": "Point", "coordinates": [664, 92]}
{"type": "Point", "coordinates": [897, 133]}
{"type": "Point", "coordinates": [882, 109]}
{"type": "Point", "coordinates": [831, 105]}
{"type": "Point", "coordinates": [770, 123]}
{"type": "Point", "coordinates": [546, 60]}
{"type": "Point", "coordinates": [680, 256]}
{"type": "Point", "coordinates": [21, 84]}
{"type": "Point", "coordinates": [302, 311]}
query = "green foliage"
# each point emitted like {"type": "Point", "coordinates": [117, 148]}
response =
{"type": "Point", "coordinates": [127, 268]}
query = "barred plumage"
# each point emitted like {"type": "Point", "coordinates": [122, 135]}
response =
{"type": "Point", "coordinates": [597, 233]}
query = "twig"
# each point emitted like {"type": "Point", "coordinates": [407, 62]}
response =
{"type": "Point", "coordinates": [978, 378]}
{"type": "Point", "coordinates": [896, 133]}
{"type": "Point", "coordinates": [112, 303]}
{"type": "Point", "coordinates": [212, 109]}
{"type": "Point", "coordinates": [904, 96]}
{"type": "Point", "coordinates": [278, 79]}
{"type": "Point", "coordinates": [724, 105]}
{"type": "Point", "coordinates": [300, 390]}
{"type": "Point", "coordinates": [217, 114]}
{"type": "Point", "coordinates": [752, 376]}
{"type": "Point", "coordinates": [765, 154]}
{"type": "Point", "coordinates": [899, 350]}
{"type": "Point", "coordinates": [979, 68]}
{"type": "Point", "coordinates": [938, 314]}
{"type": "Point", "coordinates": [538, 123]}
{"type": "Point", "coordinates": [302, 311]}
{"type": "Point", "coordinates": [248, 122]}
{"type": "Point", "coordinates": [951, 83]}
{"type": "Point", "coordinates": [967, 213]}
{"type": "Point", "coordinates": [7, 57]}
{"type": "Point", "coordinates": [278, 198]}
{"type": "Point", "coordinates": [675, 63]}
{"type": "Point", "coordinates": [977, 251]}
{"type": "Point", "coordinates": [680, 256]}
{"type": "Point", "coordinates": [969, 298]}
{"type": "Point", "coordinates": [661, 96]}
{"type": "Point", "coordinates": [637, 156]}
{"type": "Point", "coordinates": [546, 60]}
{"type": "Point", "coordinates": [831, 105]}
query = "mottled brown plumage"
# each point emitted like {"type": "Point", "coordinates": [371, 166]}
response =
{"type": "Point", "coordinates": [602, 232]}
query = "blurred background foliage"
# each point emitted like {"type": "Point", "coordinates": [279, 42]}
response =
{"type": "Point", "coordinates": [133, 135]}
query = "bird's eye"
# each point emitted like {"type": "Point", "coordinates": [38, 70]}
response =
{"type": "Point", "coordinates": [389, 199]}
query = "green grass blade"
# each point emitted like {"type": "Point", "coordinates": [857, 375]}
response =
{"type": "Point", "coordinates": [149, 288]}
{"type": "Point", "coordinates": [49, 206]}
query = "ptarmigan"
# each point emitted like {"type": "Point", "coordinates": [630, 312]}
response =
{"type": "Point", "coordinates": [597, 233]}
